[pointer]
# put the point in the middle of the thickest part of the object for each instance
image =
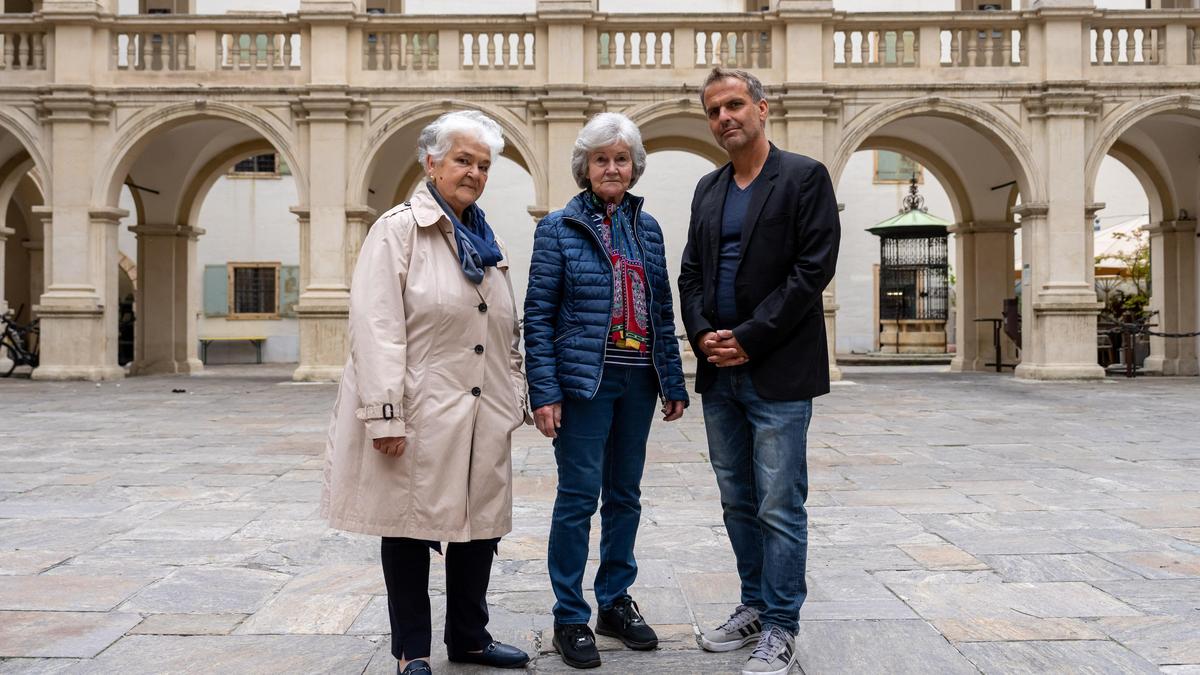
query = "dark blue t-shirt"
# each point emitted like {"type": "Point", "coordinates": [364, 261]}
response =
{"type": "Point", "coordinates": [737, 202]}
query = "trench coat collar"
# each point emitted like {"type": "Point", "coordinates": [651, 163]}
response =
{"type": "Point", "coordinates": [426, 211]}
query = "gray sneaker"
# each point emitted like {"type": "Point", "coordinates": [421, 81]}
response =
{"type": "Point", "coordinates": [774, 654]}
{"type": "Point", "coordinates": [742, 628]}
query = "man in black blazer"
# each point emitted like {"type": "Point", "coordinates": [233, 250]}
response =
{"type": "Point", "coordinates": [762, 246]}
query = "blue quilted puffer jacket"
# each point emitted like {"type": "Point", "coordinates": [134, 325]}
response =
{"type": "Point", "coordinates": [569, 302]}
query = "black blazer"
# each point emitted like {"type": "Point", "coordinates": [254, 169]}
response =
{"type": "Point", "coordinates": [788, 256]}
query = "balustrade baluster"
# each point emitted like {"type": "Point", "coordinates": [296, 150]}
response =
{"type": "Point", "coordinates": [1130, 45]}
{"type": "Point", "coordinates": [389, 45]}
{"type": "Point", "coordinates": [39, 51]}
{"type": "Point", "coordinates": [408, 51]}
{"type": "Point", "coordinates": [22, 54]}
{"type": "Point", "coordinates": [652, 46]}
{"type": "Point", "coordinates": [1006, 49]}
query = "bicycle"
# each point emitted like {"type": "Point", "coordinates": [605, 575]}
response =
{"type": "Point", "coordinates": [19, 340]}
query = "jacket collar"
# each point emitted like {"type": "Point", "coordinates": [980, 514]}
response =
{"type": "Point", "coordinates": [426, 209]}
{"type": "Point", "coordinates": [578, 209]}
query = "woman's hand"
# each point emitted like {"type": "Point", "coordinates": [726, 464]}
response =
{"type": "Point", "coordinates": [548, 419]}
{"type": "Point", "coordinates": [392, 446]}
{"type": "Point", "coordinates": [672, 410]}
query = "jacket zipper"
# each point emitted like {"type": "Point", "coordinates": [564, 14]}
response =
{"type": "Point", "coordinates": [637, 212]}
{"type": "Point", "coordinates": [612, 273]}
{"type": "Point", "coordinates": [662, 385]}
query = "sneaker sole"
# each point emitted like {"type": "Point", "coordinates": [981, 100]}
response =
{"type": "Point", "coordinates": [710, 646]}
{"type": "Point", "coordinates": [574, 664]}
{"type": "Point", "coordinates": [638, 646]}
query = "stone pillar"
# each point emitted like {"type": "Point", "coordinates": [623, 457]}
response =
{"type": "Point", "coordinates": [167, 300]}
{"type": "Point", "coordinates": [983, 263]}
{"type": "Point", "coordinates": [811, 117]}
{"type": "Point", "coordinates": [1058, 295]}
{"type": "Point", "coordinates": [559, 115]}
{"type": "Point", "coordinates": [324, 307]}
{"type": "Point", "coordinates": [1173, 296]}
{"type": "Point", "coordinates": [5, 233]}
{"type": "Point", "coordinates": [325, 112]}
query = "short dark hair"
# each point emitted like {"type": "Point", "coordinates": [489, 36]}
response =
{"type": "Point", "coordinates": [753, 85]}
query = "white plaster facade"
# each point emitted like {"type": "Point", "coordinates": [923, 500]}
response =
{"type": "Point", "coordinates": [1034, 98]}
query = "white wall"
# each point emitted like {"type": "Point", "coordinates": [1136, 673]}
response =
{"type": "Point", "coordinates": [867, 205]}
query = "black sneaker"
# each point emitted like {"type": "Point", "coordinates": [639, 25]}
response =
{"type": "Point", "coordinates": [576, 644]}
{"type": "Point", "coordinates": [624, 621]}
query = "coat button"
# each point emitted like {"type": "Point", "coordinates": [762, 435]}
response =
{"type": "Point", "coordinates": [483, 306]}
{"type": "Point", "coordinates": [478, 349]}
{"type": "Point", "coordinates": [476, 391]}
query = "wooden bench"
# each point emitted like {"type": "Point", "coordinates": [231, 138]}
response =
{"type": "Point", "coordinates": [256, 340]}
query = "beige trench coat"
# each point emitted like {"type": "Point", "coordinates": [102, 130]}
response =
{"type": "Point", "coordinates": [433, 358]}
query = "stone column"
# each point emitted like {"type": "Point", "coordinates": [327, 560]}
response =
{"type": "Point", "coordinates": [1173, 296]}
{"type": "Point", "coordinates": [167, 300]}
{"type": "Point", "coordinates": [1058, 296]}
{"type": "Point", "coordinates": [983, 263]}
{"type": "Point", "coordinates": [5, 233]}
{"type": "Point", "coordinates": [559, 115]}
{"type": "Point", "coordinates": [325, 112]}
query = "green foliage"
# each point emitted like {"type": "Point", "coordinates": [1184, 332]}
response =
{"type": "Point", "coordinates": [1133, 299]}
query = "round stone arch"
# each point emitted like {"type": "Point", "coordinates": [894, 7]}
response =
{"type": "Point", "coordinates": [1008, 140]}
{"type": "Point", "coordinates": [517, 146]}
{"type": "Point", "coordinates": [677, 125]}
{"type": "Point", "coordinates": [27, 138]}
{"type": "Point", "coordinates": [1108, 142]}
{"type": "Point", "coordinates": [960, 200]}
{"type": "Point", "coordinates": [150, 124]}
{"type": "Point", "coordinates": [208, 175]}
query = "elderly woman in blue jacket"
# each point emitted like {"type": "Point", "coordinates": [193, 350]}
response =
{"type": "Point", "coordinates": [600, 349]}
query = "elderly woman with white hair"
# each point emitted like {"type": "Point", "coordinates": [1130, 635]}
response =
{"type": "Point", "coordinates": [600, 348]}
{"type": "Point", "coordinates": [419, 448]}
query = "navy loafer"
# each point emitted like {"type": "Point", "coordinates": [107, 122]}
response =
{"type": "Point", "coordinates": [495, 655]}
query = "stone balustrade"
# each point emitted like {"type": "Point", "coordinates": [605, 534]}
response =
{"type": "Point", "coordinates": [1120, 43]}
{"type": "Point", "coordinates": [24, 44]}
{"type": "Point", "coordinates": [461, 49]}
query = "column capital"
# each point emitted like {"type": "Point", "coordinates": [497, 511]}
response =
{"type": "Point", "coordinates": [564, 106]}
{"type": "Point", "coordinates": [1031, 210]}
{"type": "Point", "coordinates": [1064, 99]}
{"type": "Point", "coordinates": [982, 226]}
{"type": "Point", "coordinates": [302, 213]}
{"type": "Point", "coordinates": [5, 233]}
{"type": "Point", "coordinates": [73, 104]}
{"type": "Point", "coordinates": [808, 102]}
{"type": "Point", "coordinates": [360, 212]}
{"type": "Point", "coordinates": [166, 231]}
{"type": "Point", "coordinates": [1167, 226]}
{"type": "Point", "coordinates": [329, 104]}
{"type": "Point", "coordinates": [538, 212]}
{"type": "Point", "coordinates": [108, 215]}
{"type": "Point", "coordinates": [1090, 210]}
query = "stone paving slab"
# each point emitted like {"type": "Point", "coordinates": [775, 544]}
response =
{"type": "Point", "coordinates": [960, 523]}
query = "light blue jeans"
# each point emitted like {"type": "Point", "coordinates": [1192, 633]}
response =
{"type": "Point", "coordinates": [758, 450]}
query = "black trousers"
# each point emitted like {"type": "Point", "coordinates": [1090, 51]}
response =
{"type": "Point", "coordinates": [406, 573]}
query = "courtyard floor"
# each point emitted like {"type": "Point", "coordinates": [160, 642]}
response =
{"type": "Point", "coordinates": [959, 524]}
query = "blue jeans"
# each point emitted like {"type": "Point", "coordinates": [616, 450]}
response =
{"type": "Point", "coordinates": [600, 450]}
{"type": "Point", "coordinates": [758, 451]}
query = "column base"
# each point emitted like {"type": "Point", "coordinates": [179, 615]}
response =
{"type": "Point", "coordinates": [1054, 371]}
{"type": "Point", "coordinates": [317, 374]}
{"type": "Point", "coordinates": [93, 373]}
{"type": "Point", "coordinates": [1161, 365]}
{"type": "Point", "coordinates": [961, 364]}
{"type": "Point", "coordinates": [835, 373]}
{"type": "Point", "coordinates": [5, 364]}
{"type": "Point", "coordinates": [188, 367]}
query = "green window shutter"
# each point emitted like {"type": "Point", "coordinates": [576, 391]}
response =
{"type": "Point", "coordinates": [289, 290]}
{"type": "Point", "coordinates": [216, 290]}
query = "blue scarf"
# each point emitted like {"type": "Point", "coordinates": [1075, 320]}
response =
{"type": "Point", "coordinates": [477, 247]}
